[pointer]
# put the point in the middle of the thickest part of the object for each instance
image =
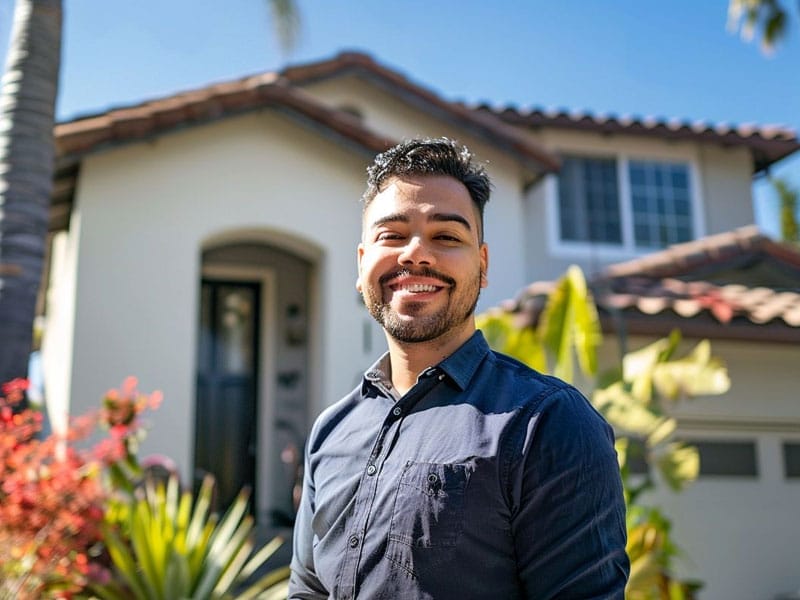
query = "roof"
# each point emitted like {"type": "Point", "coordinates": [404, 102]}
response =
{"type": "Point", "coordinates": [77, 138]}
{"type": "Point", "coordinates": [142, 121]}
{"type": "Point", "coordinates": [737, 285]}
{"type": "Point", "coordinates": [81, 136]}
{"type": "Point", "coordinates": [768, 144]}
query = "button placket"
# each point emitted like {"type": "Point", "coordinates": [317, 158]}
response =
{"type": "Point", "coordinates": [368, 489]}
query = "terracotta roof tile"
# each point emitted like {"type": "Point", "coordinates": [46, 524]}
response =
{"type": "Point", "coordinates": [708, 253]}
{"type": "Point", "coordinates": [767, 143]}
{"type": "Point", "coordinates": [77, 137]}
{"type": "Point", "coordinates": [738, 284]}
{"type": "Point", "coordinates": [688, 299]}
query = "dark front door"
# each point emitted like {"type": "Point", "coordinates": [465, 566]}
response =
{"type": "Point", "coordinates": [227, 387]}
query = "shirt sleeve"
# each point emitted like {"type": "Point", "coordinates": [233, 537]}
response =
{"type": "Point", "coordinates": [303, 581]}
{"type": "Point", "coordinates": [568, 520]}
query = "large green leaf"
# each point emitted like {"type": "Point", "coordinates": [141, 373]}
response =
{"type": "Point", "coordinates": [504, 335]}
{"type": "Point", "coordinates": [638, 366]}
{"type": "Point", "coordinates": [697, 374]}
{"type": "Point", "coordinates": [679, 465]}
{"type": "Point", "coordinates": [626, 412]}
{"type": "Point", "coordinates": [569, 326]}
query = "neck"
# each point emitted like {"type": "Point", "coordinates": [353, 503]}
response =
{"type": "Point", "coordinates": [408, 360]}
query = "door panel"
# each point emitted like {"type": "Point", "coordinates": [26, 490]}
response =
{"type": "Point", "coordinates": [227, 386]}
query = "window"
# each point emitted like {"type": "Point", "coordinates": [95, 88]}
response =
{"type": "Point", "coordinates": [660, 201]}
{"type": "Point", "coordinates": [590, 201]}
{"type": "Point", "coordinates": [625, 203]}
{"type": "Point", "coordinates": [636, 459]}
{"type": "Point", "coordinates": [726, 458]}
{"type": "Point", "coordinates": [791, 460]}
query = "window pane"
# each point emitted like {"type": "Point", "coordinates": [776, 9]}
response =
{"type": "Point", "coordinates": [236, 323]}
{"type": "Point", "coordinates": [637, 175]}
{"type": "Point", "coordinates": [589, 200]}
{"type": "Point", "coordinates": [660, 203]}
{"type": "Point", "coordinates": [680, 178]}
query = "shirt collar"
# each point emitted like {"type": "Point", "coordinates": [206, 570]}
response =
{"type": "Point", "coordinates": [460, 366]}
{"type": "Point", "coordinates": [378, 373]}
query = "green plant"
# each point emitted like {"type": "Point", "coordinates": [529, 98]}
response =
{"type": "Point", "coordinates": [635, 399]}
{"type": "Point", "coordinates": [653, 379]}
{"type": "Point", "coordinates": [164, 544]}
{"type": "Point", "coordinates": [788, 198]}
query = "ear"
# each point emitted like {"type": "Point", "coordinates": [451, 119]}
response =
{"type": "Point", "coordinates": [484, 251]}
{"type": "Point", "coordinates": [359, 256]}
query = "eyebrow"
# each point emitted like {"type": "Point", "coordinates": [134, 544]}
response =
{"type": "Point", "coordinates": [436, 217]}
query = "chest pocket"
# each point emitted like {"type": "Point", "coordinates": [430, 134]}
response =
{"type": "Point", "coordinates": [428, 510]}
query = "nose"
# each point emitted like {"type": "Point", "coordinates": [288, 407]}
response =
{"type": "Point", "coordinates": [415, 252]}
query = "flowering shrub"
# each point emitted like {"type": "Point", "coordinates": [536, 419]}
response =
{"type": "Point", "coordinates": [54, 492]}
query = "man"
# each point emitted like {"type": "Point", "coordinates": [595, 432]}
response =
{"type": "Point", "coordinates": [451, 471]}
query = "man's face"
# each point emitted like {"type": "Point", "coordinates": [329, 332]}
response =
{"type": "Point", "coordinates": [421, 264]}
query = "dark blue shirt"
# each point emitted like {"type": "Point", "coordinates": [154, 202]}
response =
{"type": "Point", "coordinates": [485, 480]}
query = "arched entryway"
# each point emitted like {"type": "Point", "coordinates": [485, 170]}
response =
{"type": "Point", "coordinates": [253, 373]}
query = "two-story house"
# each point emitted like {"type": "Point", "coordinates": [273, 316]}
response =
{"type": "Point", "coordinates": [205, 242]}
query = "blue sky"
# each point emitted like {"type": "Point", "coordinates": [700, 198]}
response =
{"type": "Point", "coordinates": [672, 59]}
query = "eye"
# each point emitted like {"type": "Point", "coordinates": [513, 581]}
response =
{"type": "Point", "coordinates": [447, 237]}
{"type": "Point", "coordinates": [385, 236]}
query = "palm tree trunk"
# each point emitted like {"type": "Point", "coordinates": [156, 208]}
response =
{"type": "Point", "coordinates": [27, 115]}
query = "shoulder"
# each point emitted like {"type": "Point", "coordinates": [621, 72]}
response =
{"type": "Point", "coordinates": [549, 410]}
{"type": "Point", "coordinates": [522, 388]}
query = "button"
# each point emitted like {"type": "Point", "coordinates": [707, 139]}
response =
{"type": "Point", "coordinates": [353, 541]}
{"type": "Point", "coordinates": [441, 377]}
{"type": "Point", "coordinates": [433, 478]}
{"type": "Point", "coordinates": [396, 411]}
{"type": "Point", "coordinates": [372, 469]}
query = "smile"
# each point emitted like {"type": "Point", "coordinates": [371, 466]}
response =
{"type": "Point", "coordinates": [415, 288]}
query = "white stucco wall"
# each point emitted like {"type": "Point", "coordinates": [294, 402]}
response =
{"type": "Point", "coordinates": [145, 212]}
{"type": "Point", "coordinates": [59, 331]}
{"type": "Point", "coordinates": [739, 534]}
{"type": "Point", "coordinates": [727, 187]}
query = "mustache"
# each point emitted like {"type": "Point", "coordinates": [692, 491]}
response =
{"type": "Point", "coordinates": [422, 272]}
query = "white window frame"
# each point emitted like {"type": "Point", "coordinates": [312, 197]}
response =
{"type": "Point", "coordinates": [628, 248]}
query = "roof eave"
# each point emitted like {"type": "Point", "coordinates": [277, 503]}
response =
{"type": "Point", "coordinates": [699, 327]}
{"type": "Point", "coordinates": [767, 145]}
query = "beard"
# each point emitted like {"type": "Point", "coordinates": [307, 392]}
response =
{"type": "Point", "coordinates": [414, 327]}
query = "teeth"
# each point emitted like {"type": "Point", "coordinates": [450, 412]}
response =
{"type": "Point", "coordinates": [419, 287]}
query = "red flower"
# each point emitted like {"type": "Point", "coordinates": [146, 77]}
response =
{"type": "Point", "coordinates": [53, 492]}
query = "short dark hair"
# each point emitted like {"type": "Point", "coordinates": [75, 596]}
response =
{"type": "Point", "coordinates": [426, 156]}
